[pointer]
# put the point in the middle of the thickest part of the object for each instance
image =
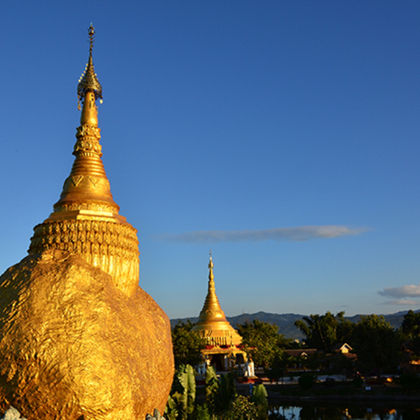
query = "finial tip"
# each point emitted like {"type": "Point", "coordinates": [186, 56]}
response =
{"type": "Point", "coordinates": [210, 261]}
{"type": "Point", "coordinates": [89, 80]}
{"type": "Point", "coordinates": [91, 33]}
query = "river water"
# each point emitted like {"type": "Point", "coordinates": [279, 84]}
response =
{"type": "Point", "coordinates": [335, 412]}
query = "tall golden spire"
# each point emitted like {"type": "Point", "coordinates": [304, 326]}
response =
{"type": "Point", "coordinates": [212, 322]}
{"type": "Point", "coordinates": [212, 310]}
{"type": "Point", "coordinates": [85, 220]}
{"type": "Point", "coordinates": [88, 183]}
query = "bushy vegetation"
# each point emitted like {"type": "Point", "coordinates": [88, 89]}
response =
{"type": "Point", "coordinates": [324, 332]}
{"type": "Point", "coordinates": [187, 344]}
{"type": "Point", "coordinates": [221, 398]}
{"type": "Point", "coordinates": [378, 346]}
{"type": "Point", "coordinates": [410, 329]}
{"type": "Point", "coordinates": [262, 341]}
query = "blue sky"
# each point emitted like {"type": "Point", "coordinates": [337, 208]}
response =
{"type": "Point", "coordinates": [283, 135]}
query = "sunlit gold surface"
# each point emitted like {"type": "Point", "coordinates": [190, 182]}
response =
{"type": "Point", "coordinates": [72, 344]}
{"type": "Point", "coordinates": [79, 337]}
{"type": "Point", "coordinates": [212, 323]}
{"type": "Point", "coordinates": [85, 219]}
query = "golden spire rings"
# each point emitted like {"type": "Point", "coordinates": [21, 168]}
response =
{"type": "Point", "coordinates": [89, 82]}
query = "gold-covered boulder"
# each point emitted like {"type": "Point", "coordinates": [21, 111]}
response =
{"type": "Point", "coordinates": [75, 347]}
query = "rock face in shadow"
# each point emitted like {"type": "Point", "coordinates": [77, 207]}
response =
{"type": "Point", "coordinates": [74, 347]}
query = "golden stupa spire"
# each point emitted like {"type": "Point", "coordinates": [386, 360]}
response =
{"type": "Point", "coordinates": [88, 81]}
{"type": "Point", "coordinates": [211, 266]}
{"type": "Point", "coordinates": [212, 310]}
{"type": "Point", "coordinates": [88, 183]}
{"type": "Point", "coordinates": [85, 220]}
{"type": "Point", "coordinates": [212, 322]}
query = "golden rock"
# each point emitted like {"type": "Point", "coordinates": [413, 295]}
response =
{"type": "Point", "coordinates": [79, 339]}
{"type": "Point", "coordinates": [73, 345]}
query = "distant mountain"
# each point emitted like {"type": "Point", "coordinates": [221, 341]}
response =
{"type": "Point", "coordinates": [395, 319]}
{"type": "Point", "coordinates": [286, 322]}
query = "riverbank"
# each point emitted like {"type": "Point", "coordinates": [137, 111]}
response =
{"type": "Point", "coordinates": [338, 393]}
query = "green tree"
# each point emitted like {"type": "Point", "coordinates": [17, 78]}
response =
{"type": "Point", "coordinates": [345, 329]}
{"type": "Point", "coordinates": [411, 330]}
{"type": "Point", "coordinates": [225, 394]}
{"type": "Point", "coordinates": [279, 365]}
{"type": "Point", "coordinates": [220, 393]}
{"type": "Point", "coordinates": [320, 330]}
{"type": "Point", "coordinates": [260, 399]}
{"type": "Point", "coordinates": [243, 409]}
{"type": "Point", "coordinates": [171, 409]}
{"type": "Point", "coordinates": [376, 344]}
{"type": "Point", "coordinates": [181, 403]}
{"type": "Point", "coordinates": [212, 388]}
{"type": "Point", "coordinates": [202, 412]}
{"type": "Point", "coordinates": [324, 332]}
{"type": "Point", "coordinates": [187, 344]}
{"type": "Point", "coordinates": [262, 341]}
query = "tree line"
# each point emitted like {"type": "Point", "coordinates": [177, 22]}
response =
{"type": "Point", "coordinates": [378, 346]}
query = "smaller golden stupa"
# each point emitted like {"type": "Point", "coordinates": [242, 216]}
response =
{"type": "Point", "coordinates": [223, 342]}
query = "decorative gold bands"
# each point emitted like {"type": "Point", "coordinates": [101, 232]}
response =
{"type": "Point", "coordinates": [110, 246]}
{"type": "Point", "coordinates": [98, 207]}
{"type": "Point", "coordinates": [217, 341]}
{"type": "Point", "coordinates": [87, 145]}
{"type": "Point", "coordinates": [86, 130]}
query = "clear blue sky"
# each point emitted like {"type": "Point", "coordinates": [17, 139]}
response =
{"type": "Point", "coordinates": [230, 125]}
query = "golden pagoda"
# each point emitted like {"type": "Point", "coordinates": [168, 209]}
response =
{"type": "Point", "coordinates": [79, 339]}
{"type": "Point", "coordinates": [222, 340]}
{"type": "Point", "coordinates": [85, 220]}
